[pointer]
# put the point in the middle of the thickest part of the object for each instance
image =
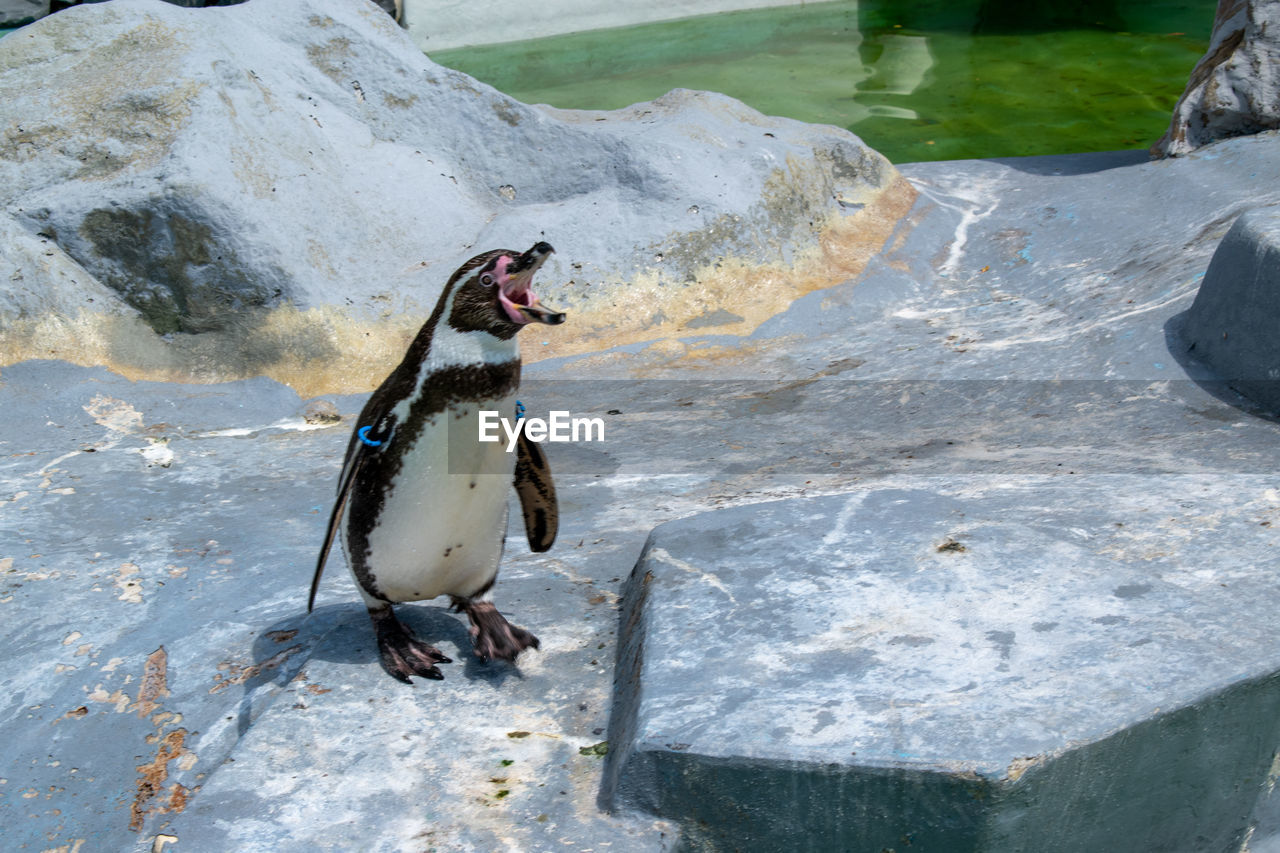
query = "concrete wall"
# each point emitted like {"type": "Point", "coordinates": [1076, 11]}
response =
{"type": "Point", "coordinates": [443, 24]}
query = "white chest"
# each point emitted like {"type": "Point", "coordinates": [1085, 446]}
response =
{"type": "Point", "coordinates": [444, 516]}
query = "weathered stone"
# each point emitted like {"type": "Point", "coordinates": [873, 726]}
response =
{"type": "Point", "coordinates": [15, 13]}
{"type": "Point", "coordinates": [1232, 325]}
{"type": "Point", "coordinates": [282, 187]}
{"type": "Point", "coordinates": [1234, 89]}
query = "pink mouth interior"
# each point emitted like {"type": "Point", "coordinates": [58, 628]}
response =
{"type": "Point", "coordinates": [523, 297]}
{"type": "Point", "coordinates": [514, 292]}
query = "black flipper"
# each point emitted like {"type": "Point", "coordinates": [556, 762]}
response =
{"type": "Point", "coordinates": [355, 457]}
{"type": "Point", "coordinates": [537, 495]}
{"type": "Point", "coordinates": [335, 518]}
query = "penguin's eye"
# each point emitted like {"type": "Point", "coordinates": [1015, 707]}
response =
{"type": "Point", "coordinates": [487, 280]}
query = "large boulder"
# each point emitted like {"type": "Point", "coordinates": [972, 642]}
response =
{"type": "Point", "coordinates": [1234, 89]}
{"type": "Point", "coordinates": [15, 13]}
{"type": "Point", "coordinates": [282, 187]}
{"type": "Point", "coordinates": [1231, 326]}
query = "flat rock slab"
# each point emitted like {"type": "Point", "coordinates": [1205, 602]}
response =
{"type": "Point", "coordinates": [162, 677]}
{"type": "Point", "coordinates": [1055, 669]}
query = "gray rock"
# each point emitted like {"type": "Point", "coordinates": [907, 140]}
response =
{"type": "Point", "coordinates": [1234, 89]}
{"type": "Point", "coordinates": [15, 13]}
{"type": "Point", "coordinates": [282, 187]}
{"type": "Point", "coordinates": [970, 669]}
{"type": "Point", "coordinates": [1033, 268]}
{"type": "Point", "coordinates": [1232, 324]}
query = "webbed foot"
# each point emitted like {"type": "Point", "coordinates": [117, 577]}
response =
{"type": "Point", "coordinates": [401, 653]}
{"type": "Point", "coordinates": [492, 635]}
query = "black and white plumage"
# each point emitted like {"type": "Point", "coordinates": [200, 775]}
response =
{"type": "Point", "coordinates": [422, 504]}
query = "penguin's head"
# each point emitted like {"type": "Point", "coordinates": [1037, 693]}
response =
{"type": "Point", "coordinates": [494, 292]}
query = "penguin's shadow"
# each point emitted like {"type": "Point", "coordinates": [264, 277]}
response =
{"type": "Point", "coordinates": [343, 634]}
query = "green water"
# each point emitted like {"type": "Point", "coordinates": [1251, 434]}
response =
{"type": "Point", "coordinates": [925, 80]}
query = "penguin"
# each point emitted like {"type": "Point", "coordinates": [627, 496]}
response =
{"type": "Point", "coordinates": [422, 503]}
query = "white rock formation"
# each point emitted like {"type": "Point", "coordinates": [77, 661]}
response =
{"type": "Point", "coordinates": [282, 187]}
{"type": "Point", "coordinates": [1234, 89]}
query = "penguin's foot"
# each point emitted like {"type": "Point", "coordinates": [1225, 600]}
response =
{"type": "Point", "coordinates": [493, 636]}
{"type": "Point", "coordinates": [401, 653]}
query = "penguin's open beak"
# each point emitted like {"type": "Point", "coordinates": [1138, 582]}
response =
{"type": "Point", "coordinates": [516, 293]}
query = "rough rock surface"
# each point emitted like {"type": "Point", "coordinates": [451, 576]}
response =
{"type": "Point", "coordinates": [1234, 89]}
{"type": "Point", "coordinates": [281, 188]}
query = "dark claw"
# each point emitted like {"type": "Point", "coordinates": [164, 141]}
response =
{"type": "Point", "coordinates": [400, 666]}
{"type": "Point", "coordinates": [504, 645]}
{"type": "Point", "coordinates": [493, 636]}
{"type": "Point", "coordinates": [402, 654]}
